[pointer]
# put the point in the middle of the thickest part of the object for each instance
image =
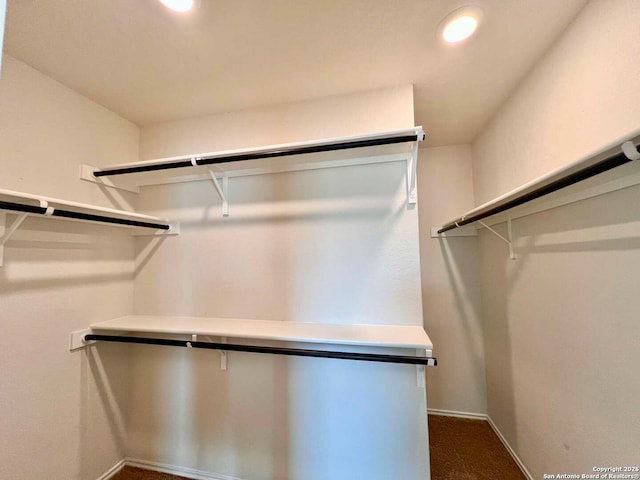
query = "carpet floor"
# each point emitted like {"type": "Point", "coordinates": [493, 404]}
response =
{"type": "Point", "coordinates": [133, 473]}
{"type": "Point", "coordinates": [461, 449]}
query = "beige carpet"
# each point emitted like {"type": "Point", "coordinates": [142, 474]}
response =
{"type": "Point", "coordinates": [131, 473]}
{"type": "Point", "coordinates": [461, 449]}
{"type": "Point", "coordinates": [464, 449]}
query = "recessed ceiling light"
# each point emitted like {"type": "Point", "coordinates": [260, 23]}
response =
{"type": "Point", "coordinates": [460, 24]}
{"type": "Point", "coordinates": [178, 5]}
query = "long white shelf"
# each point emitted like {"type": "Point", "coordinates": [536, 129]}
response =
{"type": "Point", "coordinates": [606, 182]}
{"type": "Point", "coordinates": [365, 335]}
{"type": "Point", "coordinates": [55, 208]}
{"type": "Point", "coordinates": [23, 204]}
{"type": "Point", "coordinates": [46, 202]}
{"type": "Point", "coordinates": [405, 151]}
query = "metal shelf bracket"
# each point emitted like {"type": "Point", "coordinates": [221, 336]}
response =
{"type": "Point", "coordinates": [508, 240]}
{"type": "Point", "coordinates": [76, 340]}
{"type": "Point", "coordinates": [7, 232]}
{"type": "Point", "coordinates": [412, 163]}
{"type": "Point", "coordinates": [223, 353]}
{"type": "Point", "coordinates": [223, 191]}
{"type": "Point", "coordinates": [87, 174]}
{"type": "Point", "coordinates": [420, 380]}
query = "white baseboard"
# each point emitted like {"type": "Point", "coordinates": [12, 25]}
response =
{"type": "Point", "coordinates": [482, 416]}
{"type": "Point", "coordinates": [202, 475]}
{"type": "Point", "coordinates": [113, 470]}
{"type": "Point", "coordinates": [454, 413]}
{"type": "Point", "coordinates": [509, 449]}
{"type": "Point", "coordinates": [164, 468]}
{"type": "Point", "coordinates": [175, 470]}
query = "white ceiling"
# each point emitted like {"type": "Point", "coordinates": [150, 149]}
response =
{"type": "Point", "coordinates": [150, 65]}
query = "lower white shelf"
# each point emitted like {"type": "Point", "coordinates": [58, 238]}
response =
{"type": "Point", "coordinates": [362, 334]}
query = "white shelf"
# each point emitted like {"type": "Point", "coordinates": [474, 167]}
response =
{"type": "Point", "coordinates": [22, 205]}
{"type": "Point", "coordinates": [600, 184]}
{"type": "Point", "coordinates": [46, 202]}
{"type": "Point", "coordinates": [308, 161]}
{"type": "Point", "coordinates": [366, 335]}
{"type": "Point", "coordinates": [52, 204]}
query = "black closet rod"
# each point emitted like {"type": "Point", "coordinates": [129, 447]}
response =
{"type": "Point", "coordinates": [18, 207]}
{"type": "Point", "coordinates": [199, 161]}
{"type": "Point", "coordinates": [368, 357]}
{"type": "Point", "coordinates": [570, 179]}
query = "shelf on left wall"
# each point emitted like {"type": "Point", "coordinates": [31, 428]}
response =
{"type": "Point", "coordinates": [26, 204]}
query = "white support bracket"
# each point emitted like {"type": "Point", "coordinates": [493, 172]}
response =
{"type": "Point", "coordinates": [7, 232]}
{"type": "Point", "coordinates": [412, 164]}
{"type": "Point", "coordinates": [630, 151]}
{"type": "Point", "coordinates": [76, 341]}
{"type": "Point", "coordinates": [224, 358]}
{"type": "Point", "coordinates": [222, 191]}
{"type": "Point", "coordinates": [86, 174]}
{"type": "Point", "coordinates": [223, 355]}
{"type": "Point", "coordinates": [508, 240]}
{"type": "Point", "coordinates": [420, 381]}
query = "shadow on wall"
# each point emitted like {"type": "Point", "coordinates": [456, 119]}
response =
{"type": "Point", "coordinates": [187, 411]}
{"type": "Point", "coordinates": [104, 391]}
{"type": "Point", "coordinates": [258, 416]}
{"type": "Point", "coordinates": [546, 312]}
{"type": "Point", "coordinates": [311, 246]}
{"type": "Point", "coordinates": [461, 268]}
{"type": "Point", "coordinates": [335, 214]}
{"type": "Point", "coordinates": [145, 248]}
{"type": "Point", "coordinates": [614, 228]}
{"type": "Point", "coordinates": [342, 256]}
{"type": "Point", "coordinates": [270, 417]}
{"type": "Point", "coordinates": [41, 247]}
{"type": "Point", "coordinates": [356, 420]}
{"type": "Point", "coordinates": [495, 281]}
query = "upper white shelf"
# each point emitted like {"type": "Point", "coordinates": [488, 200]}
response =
{"type": "Point", "coordinates": [325, 153]}
{"type": "Point", "coordinates": [366, 335]}
{"type": "Point", "coordinates": [26, 204]}
{"type": "Point", "coordinates": [30, 204]}
{"type": "Point", "coordinates": [586, 177]}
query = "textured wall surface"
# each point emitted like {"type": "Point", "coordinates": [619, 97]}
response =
{"type": "Point", "coordinates": [561, 321]}
{"type": "Point", "coordinates": [340, 116]}
{"type": "Point", "coordinates": [334, 246]}
{"type": "Point", "coordinates": [63, 414]}
{"type": "Point", "coordinates": [450, 282]}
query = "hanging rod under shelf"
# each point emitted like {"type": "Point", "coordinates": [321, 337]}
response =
{"type": "Point", "coordinates": [284, 151]}
{"type": "Point", "coordinates": [610, 158]}
{"type": "Point", "coordinates": [368, 357]}
{"type": "Point", "coordinates": [56, 212]}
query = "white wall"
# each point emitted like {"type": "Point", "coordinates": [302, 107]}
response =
{"type": "Point", "coordinates": [344, 115]}
{"type": "Point", "coordinates": [576, 100]}
{"type": "Point", "coordinates": [3, 11]}
{"type": "Point", "coordinates": [319, 246]}
{"type": "Point", "coordinates": [333, 245]}
{"type": "Point", "coordinates": [48, 130]}
{"type": "Point", "coordinates": [450, 282]}
{"type": "Point", "coordinates": [62, 413]}
{"type": "Point", "coordinates": [561, 323]}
